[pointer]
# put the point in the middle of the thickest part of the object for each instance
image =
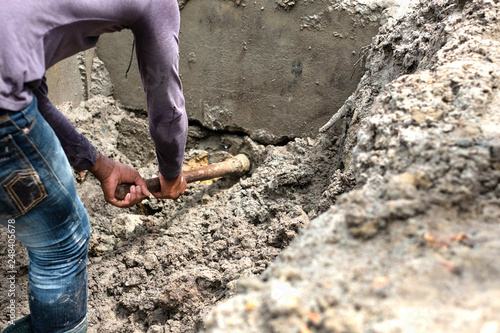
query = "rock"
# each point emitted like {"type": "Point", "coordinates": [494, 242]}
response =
{"type": "Point", "coordinates": [124, 225]}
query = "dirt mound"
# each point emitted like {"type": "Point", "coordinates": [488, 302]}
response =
{"type": "Point", "coordinates": [414, 247]}
{"type": "Point", "coordinates": [160, 266]}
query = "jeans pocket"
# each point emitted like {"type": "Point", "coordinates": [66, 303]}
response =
{"type": "Point", "coordinates": [21, 188]}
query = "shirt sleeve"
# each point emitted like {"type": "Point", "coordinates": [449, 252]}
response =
{"type": "Point", "coordinates": [156, 33]}
{"type": "Point", "coordinates": [80, 153]}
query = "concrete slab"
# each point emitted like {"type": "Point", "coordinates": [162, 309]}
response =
{"type": "Point", "coordinates": [257, 68]}
{"type": "Point", "coordinates": [267, 71]}
{"type": "Point", "coordinates": [115, 50]}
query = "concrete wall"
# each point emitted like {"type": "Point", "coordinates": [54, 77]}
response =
{"type": "Point", "coordinates": [68, 80]}
{"type": "Point", "coordinates": [270, 71]}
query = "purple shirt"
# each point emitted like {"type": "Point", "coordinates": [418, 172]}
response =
{"type": "Point", "coordinates": [37, 34]}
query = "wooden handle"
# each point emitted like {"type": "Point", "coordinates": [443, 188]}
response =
{"type": "Point", "coordinates": [235, 166]}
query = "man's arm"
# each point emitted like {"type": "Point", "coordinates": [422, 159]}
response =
{"type": "Point", "coordinates": [83, 156]}
{"type": "Point", "coordinates": [156, 33]}
{"type": "Point", "coordinates": [80, 153]}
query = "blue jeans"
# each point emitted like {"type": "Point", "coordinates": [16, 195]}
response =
{"type": "Point", "coordinates": [38, 198]}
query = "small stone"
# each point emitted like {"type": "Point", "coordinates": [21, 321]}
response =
{"type": "Point", "coordinates": [124, 225]}
{"type": "Point", "coordinates": [465, 142]}
{"type": "Point", "coordinates": [448, 128]}
{"type": "Point", "coordinates": [284, 297]}
{"type": "Point", "coordinates": [315, 318]}
{"type": "Point", "coordinates": [367, 230]}
{"type": "Point", "coordinates": [192, 57]}
{"type": "Point", "coordinates": [205, 199]}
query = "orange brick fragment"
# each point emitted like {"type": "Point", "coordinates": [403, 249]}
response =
{"type": "Point", "coordinates": [380, 281]}
{"type": "Point", "coordinates": [459, 237]}
{"type": "Point", "coordinates": [434, 241]}
{"type": "Point", "coordinates": [250, 305]}
{"type": "Point", "coordinates": [314, 318]}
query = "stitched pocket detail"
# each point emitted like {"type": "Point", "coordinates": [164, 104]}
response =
{"type": "Point", "coordinates": [22, 188]}
{"type": "Point", "coordinates": [25, 189]}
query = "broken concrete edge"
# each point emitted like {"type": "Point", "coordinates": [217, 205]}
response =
{"type": "Point", "coordinates": [390, 17]}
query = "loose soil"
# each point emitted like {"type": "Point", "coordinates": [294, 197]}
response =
{"type": "Point", "coordinates": [386, 222]}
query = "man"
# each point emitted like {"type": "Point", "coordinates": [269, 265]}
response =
{"type": "Point", "coordinates": [38, 199]}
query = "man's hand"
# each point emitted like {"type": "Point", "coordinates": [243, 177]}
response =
{"type": "Point", "coordinates": [171, 188]}
{"type": "Point", "coordinates": [111, 173]}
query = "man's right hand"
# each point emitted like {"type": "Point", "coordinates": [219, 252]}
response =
{"type": "Point", "coordinates": [111, 173]}
{"type": "Point", "coordinates": [171, 188]}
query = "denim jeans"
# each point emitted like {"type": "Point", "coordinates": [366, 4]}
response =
{"type": "Point", "coordinates": [38, 197]}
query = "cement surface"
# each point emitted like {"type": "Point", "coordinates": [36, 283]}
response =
{"type": "Point", "coordinates": [266, 71]}
{"type": "Point", "coordinates": [68, 79]}
{"type": "Point", "coordinates": [257, 67]}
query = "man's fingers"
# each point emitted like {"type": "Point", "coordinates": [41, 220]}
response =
{"type": "Point", "coordinates": [134, 197]}
{"type": "Point", "coordinates": [111, 173]}
{"type": "Point", "coordinates": [126, 201]}
{"type": "Point", "coordinates": [120, 203]}
{"type": "Point", "coordinates": [144, 190]}
{"type": "Point", "coordinates": [140, 183]}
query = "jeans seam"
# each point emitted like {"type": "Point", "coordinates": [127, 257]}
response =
{"type": "Point", "coordinates": [79, 326]}
{"type": "Point", "coordinates": [29, 124]}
